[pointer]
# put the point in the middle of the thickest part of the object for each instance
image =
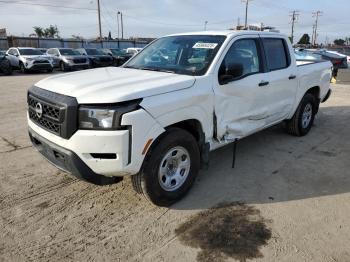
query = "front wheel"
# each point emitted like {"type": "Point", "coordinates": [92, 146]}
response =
{"type": "Point", "coordinates": [22, 68]}
{"type": "Point", "coordinates": [303, 118]}
{"type": "Point", "coordinates": [169, 168]}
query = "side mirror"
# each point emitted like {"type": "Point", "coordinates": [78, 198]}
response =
{"type": "Point", "coordinates": [230, 73]}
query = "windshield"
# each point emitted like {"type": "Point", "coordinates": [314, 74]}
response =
{"type": "Point", "coordinates": [94, 52]}
{"type": "Point", "coordinates": [117, 52]}
{"type": "Point", "coordinates": [186, 54]}
{"type": "Point", "coordinates": [30, 52]}
{"type": "Point", "coordinates": [69, 52]}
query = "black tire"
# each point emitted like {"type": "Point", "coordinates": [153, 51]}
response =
{"type": "Point", "coordinates": [22, 68]}
{"type": "Point", "coordinates": [296, 126]}
{"type": "Point", "coordinates": [63, 67]}
{"type": "Point", "coordinates": [147, 181]}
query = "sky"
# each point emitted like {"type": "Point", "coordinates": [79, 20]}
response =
{"type": "Point", "coordinates": [155, 18]}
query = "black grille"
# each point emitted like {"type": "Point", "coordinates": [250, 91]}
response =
{"type": "Point", "coordinates": [59, 112]}
{"type": "Point", "coordinates": [47, 124]}
{"type": "Point", "coordinates": [105, 59]}
{"type": "Point", "coordinates": [79, 60]}
{"type": "Point", "coordinates": [50, 118]}
{"type": "Point", "coordinates": [41, 62]}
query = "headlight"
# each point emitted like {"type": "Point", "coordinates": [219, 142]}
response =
{"type": "Point", "coordinates": [105, 117]}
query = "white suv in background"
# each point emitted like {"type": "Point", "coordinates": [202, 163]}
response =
{"type": "Point", "coordinates": [29, 59]}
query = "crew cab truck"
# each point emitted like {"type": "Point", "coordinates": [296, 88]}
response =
{"type": "Point", "coordinates": [158, 116]}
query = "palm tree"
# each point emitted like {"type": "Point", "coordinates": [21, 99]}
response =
{"type": "Point", "coordinates": [39, 31]}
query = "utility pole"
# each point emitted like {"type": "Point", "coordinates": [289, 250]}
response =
{"type": "Point", "coordinates": [118, 23]}
{"type": "Point", "coordinates": [294, 15]}
{"type": "Point", "coordinates": [313, 35]}
{"type": "Point", "coordinates": [99, 20]}
{"type": "Point", "coordinates": [317, 15]}
{"type": "Point", "coordinates": [121, 21]}
{"type": "Point", "coordinates": [246, 12]}
{"type": "Point", "coordinates": [205, 25]}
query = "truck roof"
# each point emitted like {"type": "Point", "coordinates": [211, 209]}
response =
{"type": "Point", "coordinates": [228, 33]}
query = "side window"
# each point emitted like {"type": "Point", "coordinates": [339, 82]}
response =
{"type": "Point", "coordinates": [277, 55]}
{"type": "Point", "coordinates": [245, 54]}
{"type": "Point", "coordinates": [49, 51]}
{"type": "Point", "coordinates": [12, 52]}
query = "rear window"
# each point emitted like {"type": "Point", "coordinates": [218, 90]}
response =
{"type": "Point", "coordinates": [277, 55]}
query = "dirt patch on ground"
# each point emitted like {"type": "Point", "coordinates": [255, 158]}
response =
{"type": "Point", "coordinates": [231, 230]}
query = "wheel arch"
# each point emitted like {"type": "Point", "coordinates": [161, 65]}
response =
{"type": "Point", "coordinates": [195, 128]}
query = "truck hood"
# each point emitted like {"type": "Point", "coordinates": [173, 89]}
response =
{"type": "Point", "coordinates": [113, 84]}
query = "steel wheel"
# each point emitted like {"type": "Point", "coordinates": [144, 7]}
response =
{"type": "Point", "coordinates": [307, 116]}
{"type": "Point", "coordinates": [174, 168]}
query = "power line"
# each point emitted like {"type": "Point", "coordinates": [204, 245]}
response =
{"type": "Point", "coordinates": [47, 5]}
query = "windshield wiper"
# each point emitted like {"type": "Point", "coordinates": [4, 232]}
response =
{"type": "Point", "coordinates": [151, 69]}
{"type": "Point", "coordinates": [157, 70]}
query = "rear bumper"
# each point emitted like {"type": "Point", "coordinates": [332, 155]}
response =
{"type": "Point", "coordinates": [68, 161]}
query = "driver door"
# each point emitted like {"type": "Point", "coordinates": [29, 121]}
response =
{"type": "Point", "coordinates": [240, 102]}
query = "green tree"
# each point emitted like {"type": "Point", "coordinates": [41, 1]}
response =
{"type": "Point", "coordinates": [39, 31]}
{"type": "Point", "coordinates": [304, 40]}
{"type": "Point", "coordinates": [339, 41]}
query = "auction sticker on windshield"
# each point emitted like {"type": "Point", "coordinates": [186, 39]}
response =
{"type": "Point", "coordinates": [205, 45]}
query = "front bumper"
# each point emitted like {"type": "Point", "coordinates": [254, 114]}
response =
{"type": "Point", "coordinates": [68, 161]}
{"type": "Point", "coordinates": [127, 145]}
{"type": "Point", "coordinates": [77, 66]}
{"type": "Point", "coordinates": [39, 66]}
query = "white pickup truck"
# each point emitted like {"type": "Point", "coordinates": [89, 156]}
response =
{"type": "Point", "coordinates": [157, 118]}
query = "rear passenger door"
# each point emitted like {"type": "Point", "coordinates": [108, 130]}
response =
{"type": "Point", "coordinates": [281, 75]}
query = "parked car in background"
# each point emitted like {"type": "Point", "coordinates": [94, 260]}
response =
{"type": "Point", "coordinates": [5, 66]}
{"type": "Point", "coordinates": [29, 59]}
{"type": "Point", "coordinates": [133, 50]}
{"type": "Point", "coordinates": [341, 54]}
{"type": "Point", "coordinates": [339, 62]}
{"type": "Point", "coordinates": [68, 59]}
{"type": "Point", "coordinates": [96, 57]}
{"type": "Point", "coordinates": [119, 56]}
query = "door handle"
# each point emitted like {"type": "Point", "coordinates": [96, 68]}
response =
{"type": "Point", "coordinates": [264, 83]}
{"type": "Point", "coordinates": [292, 77]}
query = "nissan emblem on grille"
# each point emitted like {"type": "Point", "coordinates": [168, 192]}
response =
{"type": "Point", "coordinates": [39, 110]}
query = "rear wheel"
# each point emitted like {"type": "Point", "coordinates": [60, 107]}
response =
{"type": "Point", "coordinates": [303, 118]}
{"type": "Point", "coordinates": [169, 168]}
